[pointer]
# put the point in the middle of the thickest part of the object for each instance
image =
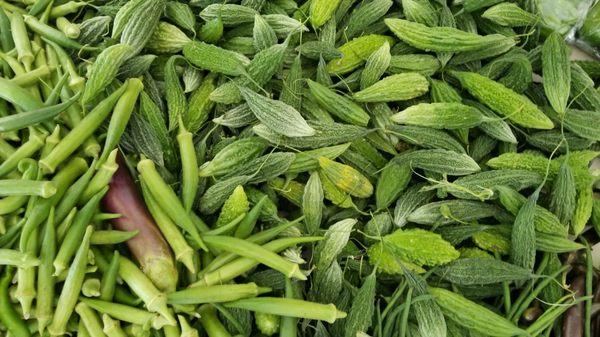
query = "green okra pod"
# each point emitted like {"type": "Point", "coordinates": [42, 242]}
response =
{"type": "Point", "coordinates": [171, 204]}
{"type": "Point", "coordinates": [123, 312]}
{"type": "Point", "coordinates": [44, 189]}
{"type": "Point", "coordinates": [75, 232]}
{"type": "Point", "coordinates": [81, 131]}
{"type": "Point", "coordinates": [109, 278]}
{"type": "Point", "coordinates": [182, 250]}
{"type": "Point", "coordinates": [120, 117]}
{"type": "Point", "coordinates": [141, 285]}
{"type": "Point", "coordinates": [9, 317]}
{"type": "Point", "coordinates": [256, 252]}
{"type": "Point", "coordinates": [71, 288]}
{"type": "Point", "coordinates": [189, 166]}
{"type": "Point", "coordinates": [90, 319]}
{"type": "Point", "coordinates": [29, 118]}
{"type": "Point", "coordinates": [215, 293]}
{"type": "Point", "coordinates": [290, 307]}
{"type": "Point", "coordinates": [46, 280]}
{"type": "Point", "coordinates": [111, 237]}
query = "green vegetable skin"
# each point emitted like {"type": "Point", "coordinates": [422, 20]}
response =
{"type": "Point", "coordinates": [369, 168]}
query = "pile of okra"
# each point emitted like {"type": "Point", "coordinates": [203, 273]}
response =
{"type": "Point", "coordinates": [297, 168]}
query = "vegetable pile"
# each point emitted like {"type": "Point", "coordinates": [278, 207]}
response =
{"type": "Point", "coordinates": [308, 168]}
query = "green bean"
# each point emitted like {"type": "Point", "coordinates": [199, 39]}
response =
{"type": "Point", "coordinates": [183, 252]}
{"type": "Point", "coordinates": [289, 307]}
{"type": "Point", "coordinates": [120, 116]}
{"type": "Point", "coordinates": [256, 252]}
{"type": "Point", "coordinates": [67, 8]}
{"type": "Point", "coordinates": [61, 229]}
{"type": "Point", "coordinates": [90, 320]}
{"type": "Point", "coordinates": [159, 189]}
{"type": "Point", "coordinates": [6, 41]}
{"type": "Point", "coordinates": [81, 132]}
{"type": "Point", "coordinates": [109, 278]}
{"type": "Point", "coordinates": [16, 258]}
{"type": "Point", "coordinates": [73, 194]}
{"type": "Point", "coordinates": [39, 6]}
{"type": "Point", "coordinates": [227, 228]}
{"type": "Point", "coordinates": [112, 237]}
{"type": "Point", "coordinates": [122, 312]}
{"type": "Point", "coordinates": [75, 233]}
{"type": "Point", "coordinates": [21, 39]}
{"type": "Point", "coordinates": [91, 287]}
{"type": "Point", "coordinates": [141, 285]}
{"type": "Point", "coordinates": [54, 35]}
{"type": "Point", "coordinates": [72, 287]}
{"type": "Point", "coordinates": [247, 225]}
{"type": "Point", "coordinates": [25, 119]}
{"type": "Point", "coordinates": [101, 178]}
{"type": "Point", "coordinates": [9, 317]}
{"type": "Point", "coordinates": [45, 280]}
{"type": "Point", "coordinates": [33, 144]}
{"type": "Point", "coordinates": [18, 96]}
{"type": "Point", "coordinates": [189, 166]}
{"type": "Point", "coordinates": [210, 322]}
{"type": "Point", "coordinates": [71, 30]}
{"type": "Point", "coordinates": [289, 325]}
{"type": "Point", "coordinates": [241, 265]}
{"type": "Point", "coordinates": [549, 317]}
{"type": "Point", "coordinates": [186, 328]}
{"type": "Point", "coordinates": [258, 238]}
{"type": "Point", "coordinates": [215, 293]}
{"type": "Point", "coordinates": [111, 327]}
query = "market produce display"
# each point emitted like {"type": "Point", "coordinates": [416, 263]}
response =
{"type": "Point", "coordinates": [298, 168]}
